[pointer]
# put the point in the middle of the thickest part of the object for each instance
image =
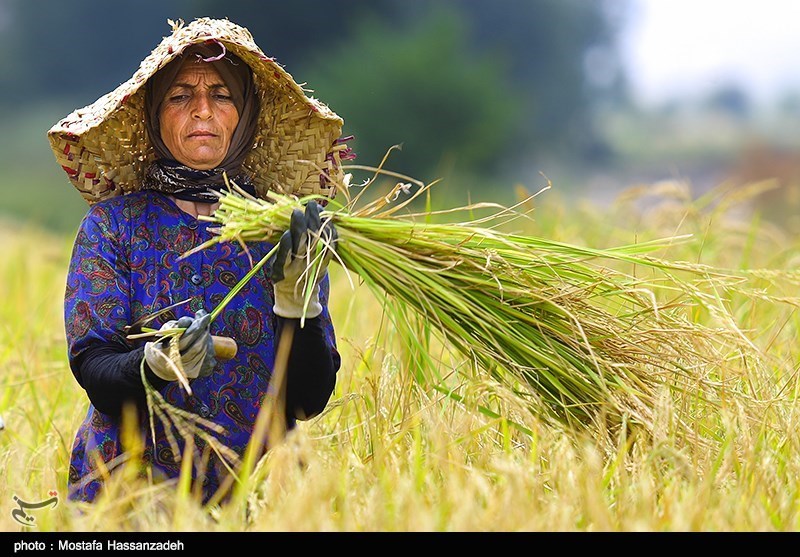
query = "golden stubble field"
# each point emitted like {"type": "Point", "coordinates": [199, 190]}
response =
{"type": "Point", "coordinates": [394, 453]}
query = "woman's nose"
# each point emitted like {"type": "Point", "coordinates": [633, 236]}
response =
{"type": "Point", "coordinates": [201, 107]}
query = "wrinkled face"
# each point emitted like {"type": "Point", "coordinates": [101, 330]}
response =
{"type": "Point", "coordinates": [197, 117]}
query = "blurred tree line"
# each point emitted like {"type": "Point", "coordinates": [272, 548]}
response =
{"type": "Point", "coordinates": [476, 84]}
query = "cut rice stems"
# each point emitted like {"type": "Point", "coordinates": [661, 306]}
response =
{"type": "Point", "coordinates": [553, 320]}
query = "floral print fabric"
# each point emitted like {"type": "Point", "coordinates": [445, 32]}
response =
{"type": "Point", "coordinates": [126, 263]}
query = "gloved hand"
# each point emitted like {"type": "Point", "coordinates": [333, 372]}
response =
{"type": "Point", "coordinates": [296, 250]}
{"type": "Point", "coordinates": [195, 345]}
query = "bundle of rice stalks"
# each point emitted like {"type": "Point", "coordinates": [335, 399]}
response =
{"type": "Point", "coordinates": [582, 342]}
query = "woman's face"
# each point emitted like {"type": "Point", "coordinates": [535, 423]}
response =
{"type": "Point", "coordinates": [197, 117]}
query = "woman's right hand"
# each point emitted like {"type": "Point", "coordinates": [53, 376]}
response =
{"type": "Point", "coordinates": [195, 345]}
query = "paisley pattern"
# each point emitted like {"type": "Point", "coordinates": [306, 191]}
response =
{"type": "Point", "coordinates": [126, 264]}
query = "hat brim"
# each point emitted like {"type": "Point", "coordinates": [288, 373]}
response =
{"type": "Point", "coordinates": [104, 147]}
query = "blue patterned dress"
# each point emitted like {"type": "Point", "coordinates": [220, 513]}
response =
{"type": "Point", "coordinates": [126, 264]}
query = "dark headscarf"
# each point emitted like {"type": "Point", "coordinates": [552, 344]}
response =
{"type": "Point", "coordinates": [168, 175]}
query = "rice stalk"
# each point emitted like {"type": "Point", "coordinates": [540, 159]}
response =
{"type": "Point", "coordinates": [187, 425]}
{"type": "Point", "coordinates": [583, 342]}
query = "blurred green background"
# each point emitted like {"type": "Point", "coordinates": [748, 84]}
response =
{"type": "Point", "coordinates": [486, 95]}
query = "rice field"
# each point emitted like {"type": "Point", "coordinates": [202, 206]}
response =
{"type": "Point", "coordinates": [395, 451]}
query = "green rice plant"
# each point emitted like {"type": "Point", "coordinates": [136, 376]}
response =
{"type": "Point", "coordinates": [581, 342]}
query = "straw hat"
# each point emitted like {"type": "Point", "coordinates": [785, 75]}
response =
{"type": "Point", "coordinates": [104, 147]}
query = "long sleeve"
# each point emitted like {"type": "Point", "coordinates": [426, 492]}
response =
{"type": "Point", "coordinates": [110, 374]}
{"type": "Point", "coordinates": [311, 368]}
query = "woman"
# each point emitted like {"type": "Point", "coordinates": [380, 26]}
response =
{"type": "Point", "coordinates": [206, 105]}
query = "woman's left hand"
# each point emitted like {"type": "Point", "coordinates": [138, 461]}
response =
{"type": "Point", "coordinates": [289, 269]}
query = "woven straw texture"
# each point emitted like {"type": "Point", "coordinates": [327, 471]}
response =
{"type": "Point", "coordinates": [104, 148]}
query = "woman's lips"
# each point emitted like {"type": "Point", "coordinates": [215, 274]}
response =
{"type": "Point", "coordinates": [202, 133]}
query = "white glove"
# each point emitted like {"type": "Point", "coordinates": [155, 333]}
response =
{"type": "Point", "coordinates": [195, 345]}
{"type": "Point", "coordinates": [288, 274]}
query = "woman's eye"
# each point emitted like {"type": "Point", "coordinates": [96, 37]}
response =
{"type": "Point", "coordinates": [178, 98]}
{"type": "Point", "coordinates": [222, 97]}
